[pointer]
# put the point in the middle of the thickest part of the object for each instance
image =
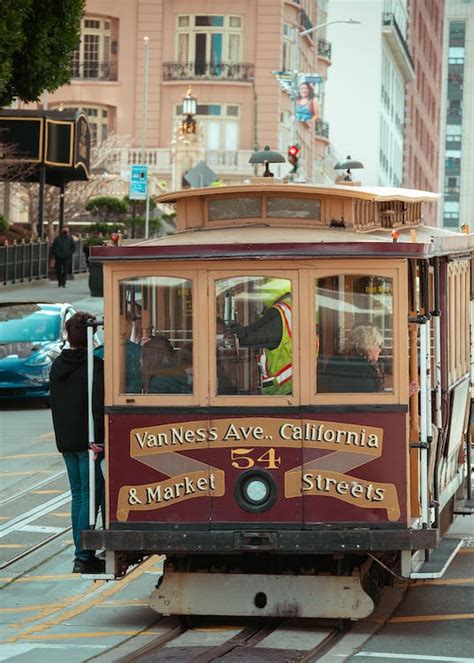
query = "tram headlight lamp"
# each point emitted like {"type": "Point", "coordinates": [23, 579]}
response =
{"type": "Point", "coordinates": [255, 491]}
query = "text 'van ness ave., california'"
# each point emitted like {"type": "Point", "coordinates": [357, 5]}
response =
{"type": "Point", "coordinates": [258, 432]}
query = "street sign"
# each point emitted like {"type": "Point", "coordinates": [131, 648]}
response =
{"type": "Point", "coordinates": [138, 183]}
{"type": "Point", "coordinates": [200, 175]}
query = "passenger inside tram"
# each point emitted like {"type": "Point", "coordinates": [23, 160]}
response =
{"type": "Point", "coordinates": [357, 368]}
{"type": "Point", "coordinates": [160, 370]}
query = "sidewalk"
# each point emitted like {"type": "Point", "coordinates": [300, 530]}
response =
{"type": "Point", "coordinates": [76, 292]}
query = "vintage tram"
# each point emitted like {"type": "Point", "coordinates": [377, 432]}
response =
{"type": "Point", "coordinates": [288, 386]}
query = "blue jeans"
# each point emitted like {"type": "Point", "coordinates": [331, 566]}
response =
{"type": "Point", "coordinates": [77, 465]}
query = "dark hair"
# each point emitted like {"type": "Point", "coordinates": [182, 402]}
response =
{"type": "Point", "coordinates": [64, 231]}
{"type": "Point", "coordinates": [311, 94]}
{"type": "Point", "coordinates": [76, 328]}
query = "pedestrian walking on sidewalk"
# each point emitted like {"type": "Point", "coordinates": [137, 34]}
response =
{"type": "Point", "coordinates": [69, 408]}
{"type": "Point", "coordinates": [62, 251]}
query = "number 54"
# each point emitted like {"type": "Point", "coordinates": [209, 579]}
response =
{"type": "Point", "coordinates": [243, 459]}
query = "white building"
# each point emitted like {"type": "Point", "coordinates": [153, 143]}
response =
{"type": "Point", "coordinates": [365, 95]}
{"type": "Point", "coordinates": [457, 167]}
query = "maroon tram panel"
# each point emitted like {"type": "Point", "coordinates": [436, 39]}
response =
{"type": "Point", "coordinates": [322, 468]}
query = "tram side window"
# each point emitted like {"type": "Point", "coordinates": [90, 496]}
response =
{"type": "Point", "coordinates": [354, 327]}
{"type": "Point", "coordinates": [156, 335]}
{"type": "Point", "coordinates": [253, 336]}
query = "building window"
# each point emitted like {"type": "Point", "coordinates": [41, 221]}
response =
{"type": "Point", "coordinates": [288, 59]}
{"type": "Point", "coordinates": [98, 118]}
{"type": "Point", "coordinates": [91, 60]}
{"type": "Point", "coordinates": [221, 126]}
{"type": "Point", "coordinates": [209, 41]}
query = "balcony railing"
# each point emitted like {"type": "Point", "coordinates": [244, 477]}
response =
{"type": "Point", "coordinates": [321, 129]}
{"type": "Point", "coordinates": [324, 48]}
{"type": "Point", "coordinates": [229, 71]}
{"type": "Point", "coordinates": [159, 160]}
{"type": "Point", "coordinates": [94, 71]}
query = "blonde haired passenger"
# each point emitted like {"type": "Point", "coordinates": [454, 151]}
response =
{"type": "Point", "coordinates": [356, 369]}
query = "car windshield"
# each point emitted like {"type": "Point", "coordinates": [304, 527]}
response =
{"type": "Point", "coordinates": [28, 323]}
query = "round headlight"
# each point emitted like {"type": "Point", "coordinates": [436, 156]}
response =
{"type": "Point", "coordinates": [255, 490]}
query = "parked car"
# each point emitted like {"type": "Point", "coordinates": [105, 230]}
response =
{"type": "Point", "coordinates": [31, 337]}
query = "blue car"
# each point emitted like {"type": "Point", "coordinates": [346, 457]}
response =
{"type": "Point", "coordinates": [31, 337]}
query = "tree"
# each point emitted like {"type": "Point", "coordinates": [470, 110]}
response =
{"type": "Point", "coordinates": [37, 39]}
{"type": "Point", "coordinates": [107, 208]}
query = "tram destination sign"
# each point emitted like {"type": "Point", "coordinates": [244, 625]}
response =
{"type": "Point", "coordinates": [350, 446]}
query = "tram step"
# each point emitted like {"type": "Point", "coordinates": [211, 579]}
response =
{"type": "Point", "coordinates": [439, 561]}
{"type": "Point", "coordinates": [464, 507]}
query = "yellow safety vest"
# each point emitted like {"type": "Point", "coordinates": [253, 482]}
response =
{"type": "Point", "coordinates": [275, 365]}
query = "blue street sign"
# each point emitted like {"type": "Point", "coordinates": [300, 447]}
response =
{"type": "Point", "coordinates": [138, 183]}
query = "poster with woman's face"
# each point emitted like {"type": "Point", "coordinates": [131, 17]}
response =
{"type": "Point", "coordinates": [309, 92]}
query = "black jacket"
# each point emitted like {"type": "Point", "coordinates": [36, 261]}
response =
{"type": "Point", "coordinates": [349, 374]}
{"type": "Point", "coordinates": [68, 394]}
{"type": "Point", "coordinates": [63, 247]}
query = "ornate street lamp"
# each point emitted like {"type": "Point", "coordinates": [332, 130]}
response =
{"type": "Point", "coordinates": [188, 124]}
{"type": "Point", "coordinates": [267, 156]}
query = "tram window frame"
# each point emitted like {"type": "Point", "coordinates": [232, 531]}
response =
{"type": "Point", "coordinates": [398, 273]}
{"type": "Point", "coordinates": [261, 399]}
{"type": "Point", "coordinates": [277, 221]}
{"type": "Point", "coordinates": [113, 305]}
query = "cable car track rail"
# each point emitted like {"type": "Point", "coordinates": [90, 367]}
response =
{"type": "Point", "coordinates": [247, 643]}
{"type": "Point", "coordinates": [40, 484]}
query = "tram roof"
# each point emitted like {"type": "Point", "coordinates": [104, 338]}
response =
{"type": "Point", "coordinates": [260, 240]}
{"type": "Point", "coordinates": [375, 193]}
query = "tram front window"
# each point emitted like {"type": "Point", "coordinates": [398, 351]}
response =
{"type": "Point", "coordinates": [156, 340]}
{"type": "Point", "coordinates": [354, 326]}
{"type": "Point", "coordinates": [253, 336]}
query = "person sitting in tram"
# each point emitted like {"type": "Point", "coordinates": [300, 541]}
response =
{"type": "Point", "coordinates": [161, 373]}
{"type": "Point", "coordinates": [272, 333]}
{"type": "Point", "coordinates": [357, 369]}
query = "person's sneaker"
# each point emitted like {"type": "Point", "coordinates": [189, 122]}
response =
{"type": "Point", "coordinates": [92, 565]}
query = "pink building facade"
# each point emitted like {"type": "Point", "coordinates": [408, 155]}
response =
{"type": "Point", "coordinates": [423, 108]}
{"type": "Point", "coordinates": [226, 52]}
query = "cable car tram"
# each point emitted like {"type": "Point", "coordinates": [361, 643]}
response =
{"type": "Point", "coordinates": [288, 387]}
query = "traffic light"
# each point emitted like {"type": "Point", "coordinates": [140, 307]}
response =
{"type": "Point", "coordinates": [293, 152]}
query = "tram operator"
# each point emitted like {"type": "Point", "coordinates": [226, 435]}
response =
{"type": "Point", "coordinates": [272, 333]}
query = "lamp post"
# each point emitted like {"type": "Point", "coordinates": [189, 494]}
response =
{"type": "Point", "coordinates": [298, 35]}
{"type": "Point", "coordinates": [144, 128]}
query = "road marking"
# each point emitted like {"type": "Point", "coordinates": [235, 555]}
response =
{"type": "Point", "coordinates": [413, 657]}
{"type": "Point", "coordinates": [12, 545]}
{"type": "Point", "coordinates": [431, 618]}
{"type": "Point", "coordinates": [43, 529]}
{"type": "Point", "coordinates": [46, 436]}
{"type": "Point", "coordinates": [24, 474]}
{"type": "Point", "coordinates": [35, 455]}
{"type": "Point", "coordinates": [60, 514]}
{"type": "Point", "coordinates": [43, 482]}
{"type": "Point", "coordinates": [26, 608]}
{"type": "Point", "coordinates": [93, 634]}
{"type": "Point", "coordinates": [46, 492]}
{"type": "Point", "coordinates": [97, 594]}
{"type": "Point", "coordinates": [448, 581]}
{"type": "Point", "coordinates": [64, 576]}
{"type": "Point", "coordinates": [26, 518]}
